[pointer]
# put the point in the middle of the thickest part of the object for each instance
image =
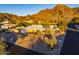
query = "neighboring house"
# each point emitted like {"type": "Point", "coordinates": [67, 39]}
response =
{"type": "Point", "coordinates": [34, 28]}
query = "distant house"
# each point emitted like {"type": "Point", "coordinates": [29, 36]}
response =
{"type": "Point", "coordinates": [7, 25]}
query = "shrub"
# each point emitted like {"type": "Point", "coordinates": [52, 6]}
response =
{"type": "Point", "coordinates": [3, 48]}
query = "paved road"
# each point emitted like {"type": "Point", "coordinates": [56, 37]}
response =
{"type": "Point", "coordinates": [71, 42]}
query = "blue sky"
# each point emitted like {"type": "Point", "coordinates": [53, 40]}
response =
{"type": "Point", "coordinates": [27, 9]}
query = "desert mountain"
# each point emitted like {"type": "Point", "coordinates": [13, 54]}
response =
{"type": "Point", "coordinates": [56, 15]}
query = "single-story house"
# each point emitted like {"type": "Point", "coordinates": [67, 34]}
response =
{"type": "Point", "coordinates": [34, 28]}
